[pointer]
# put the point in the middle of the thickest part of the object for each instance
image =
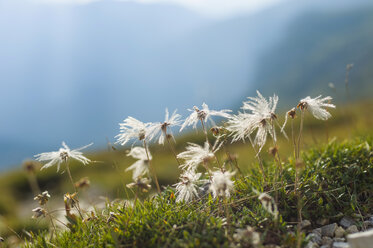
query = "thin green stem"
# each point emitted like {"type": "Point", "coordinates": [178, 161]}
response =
{"type": "Point", "coordinates": [172, 148]}
{"type": "Point", "coordinates": [257, 154]}
{"type": "Point", "coordinates": [75, 190]}
{"type": "Point", "coordinates": [152, 168]}
{"type": "Point", "coordinates": [207, 140]}
{"type": "Point", "coordinates": [300, 133]}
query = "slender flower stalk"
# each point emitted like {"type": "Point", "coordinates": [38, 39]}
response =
{"type": "Point", "coordinates": [166, 132]}
{"type": "Point", "coordinates": [30, 168]}
{"type": "Point", "coordinates": [317, 108]}
{"type": "Point", "coordinates": [43, 199]}
{"type": "Point", "coordinates": [151, 167]}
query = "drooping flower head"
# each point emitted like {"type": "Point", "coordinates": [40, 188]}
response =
{"type": "Point", "coordinates": [317, 106]}
{"type": "Point", "coordinates": [292, 113]}
{"type": "Point", "coordinates": [141, 183]}
{"type": "Point", "coordinates": [260, 117]}
{"type": "Point", "coordinates": [187, 188]}
{"type": "Point", "coordinates": [42, 198]}
{"type": "Point", "coordinates": [221, 183]}
{"type": "Point", "coordinates": [203, 115]}
{"type": "Point", "coordinates": [195, 155]}
{"type": "Point", "coordinates": [63, 155]}
{"type": "Point", "coordinates": [141, 166]}
{"type": "Point", "coordinates": [133, 129]}
{"type": "Point", "coordinates": [174, 120]}
{"type": "Point", "coordinates": [39, 212]}
{"type": "Point", "coordinates": [269, 204]}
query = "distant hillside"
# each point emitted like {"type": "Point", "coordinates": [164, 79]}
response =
{"type": "Point", "coordinates": [72, 72]}
{"type": "Point", "coordinates": [315, 51]}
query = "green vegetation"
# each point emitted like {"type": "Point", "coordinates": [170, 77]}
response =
{"type": "Point", "coordinates": [335, 179]}
{"type": "Point", "coordinates": [328, 185]}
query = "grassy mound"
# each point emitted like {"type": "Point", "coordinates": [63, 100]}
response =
{"type": "Point", "coordinates": [335, 180]}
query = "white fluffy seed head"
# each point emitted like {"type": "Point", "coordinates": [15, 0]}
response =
{"type": "Point", "coordinates": [221, 183]}
{"type": "Point", "coordinates": [317, 106]}
{"type": "Point", "coordinates": [62, 155]}
{"type": "Point", "coordinates": [205, 114]}
{"type": "Point", "coordinates": [195, 155]}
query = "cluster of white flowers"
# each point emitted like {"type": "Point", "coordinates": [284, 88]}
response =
{"type": "Point", "coordinates": [257, 117]}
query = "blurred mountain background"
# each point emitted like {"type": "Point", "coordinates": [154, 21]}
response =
{"type": "Point", "coordinates": [73, 72]}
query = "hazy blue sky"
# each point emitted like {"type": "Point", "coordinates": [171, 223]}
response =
{"type": "Point", "coordinates": [71, 70]}
{"type": "Point", "coordinates": [212, 8]}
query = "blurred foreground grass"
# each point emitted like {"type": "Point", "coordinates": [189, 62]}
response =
{"type": "Point", "coordinates": [108, 177]}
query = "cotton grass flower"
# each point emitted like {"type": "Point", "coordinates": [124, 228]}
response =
{"type": "Point", "coordinates": [317, 106]}
{"type": "Point", "coordinates": [141, 166]}
{"type": "Point", "coordinates": [221, 183]}
{"type": "Point", "coordinates": [187, 188]}
{"type": "Point", "coordinates": [63, 155]}
{"type": "Point", "coordinates": [260, 117]}
{"type": "Point", "coordinates": [195, 155]}
{"type": "Point", "coordinates": [133, 129]}
{"type": "Point", "coordinates": [203, 115]}
{"type": "Point", "coordinates": [261, 107]}
{"type": "Point", "coordinates": [174, 120]}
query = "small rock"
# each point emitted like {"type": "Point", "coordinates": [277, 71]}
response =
{"type": "Point", "coordinates": [329, 230]}
{"type": "Point", "coordinates": [314, 238]}
{"type": "Point", "coordinates": [352, 229]}
{"type": "Point", "coordinates": [340, 245]}
{"type": "Point", "coordinates": [304, 224]}
{"type": "Point", "coordinates": [326, 241]}
{"type": "Point", "coordinates": [322, 222]}
{"type": "Point", "coordinates": [361, 240]}
{"type": "Point", "coordinates": [317, 231]}
{"type": "Point", "coordinates": [326, 246]}
{"type": "Point", "coordinates": [368, 223]}
{"type": "Point", "coordinates": [312, 245]}
{"type": "Point", "coordinates": [339, 232]}
{"type": "Point", "coordinates": [339, 240]}
{"type": "Point", "coordinates": [346, 222]}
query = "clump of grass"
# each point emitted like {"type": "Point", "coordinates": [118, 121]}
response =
{"type": "Point", "coordinates": [336, 178]}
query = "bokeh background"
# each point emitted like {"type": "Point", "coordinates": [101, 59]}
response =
{"type": "Point", "coordinates": [72, 70]}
